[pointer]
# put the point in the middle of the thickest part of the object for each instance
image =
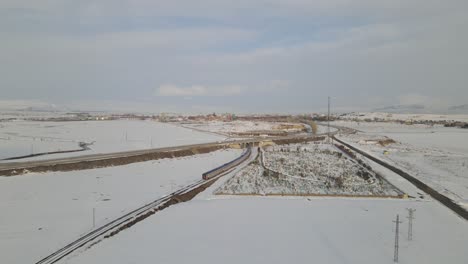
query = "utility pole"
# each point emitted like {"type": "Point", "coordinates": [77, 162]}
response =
{"type": "Point", "coordinates": [94, 217]}
{"type": "Point", "coordinates": [328, 119]}
{"type": "Point", "coordinates": [410, 223]}
{"type": "Point", "coordinates": [397, 230]}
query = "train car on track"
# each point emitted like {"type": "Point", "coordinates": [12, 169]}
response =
{"type": "Point", "coordinates": [227, 166]}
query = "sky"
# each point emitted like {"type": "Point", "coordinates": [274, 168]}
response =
{"type": "Point", "coordinates": [241, 56]}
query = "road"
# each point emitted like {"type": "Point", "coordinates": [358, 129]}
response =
{"type": "Point", "coordinates": [129, 219]}
{"type": "Point", "coordinates": [456, 208]}
{"type": "Point", "coordinates": [25, 165]}
{"type": "Point", "coordinates": [140, 213]}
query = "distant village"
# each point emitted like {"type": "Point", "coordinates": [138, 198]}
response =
{"type": "Point", "coordinates": [228, 117]}
{"type": "Point", "coordinates": [171, 117]}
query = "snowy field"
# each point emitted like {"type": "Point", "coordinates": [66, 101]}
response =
{"type": "Point", "coordinates": [20, 138]}
{"type": "Point", "coordinates": [27, 114]}
{"type": "Point", "coordinates": [41, 212]}
{"type": "Point", "coordinates": [245, 126]}
{"type": "Point", "coordinates": [436, 155]}
{"type": "Point", "coordinates": [404, 117]}
{"type": "Point", "coordinates": [423, 136]}
{"type": "Point", "coordinates": [232, 229]}
{"type": "Point", "coordinates": [280, 230]}
{"type": "Point", "coordinates": [307, 169]}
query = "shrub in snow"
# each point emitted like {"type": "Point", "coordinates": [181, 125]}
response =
{"type": "Point", "coordinates": [324, 170]}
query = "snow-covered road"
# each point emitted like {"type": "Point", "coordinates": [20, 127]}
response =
{"type": "Point", "coordinates": [436, 155]}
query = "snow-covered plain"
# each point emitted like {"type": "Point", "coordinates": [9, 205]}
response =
{"type": "Point", "coordinates": [242, 126]}
{"type": "Point", "coordinates": [419, 135]}
{"type": "Point", "coordinates": [280, 230]}
{"type": "Point", "coordinates": [18, 138]}
{"type": "Point", "coordinates": [436, 155]}
{"type": "Point", "coordinates": [404, 117]}
{"type": "Point", "coordinates": [235, 129]}
{"type": "Point", "coordinates": [232, 229]}
{"type": "Point", "coordinates": [43, 211]}
{"type": "Point", "coordinates": [14, 113]}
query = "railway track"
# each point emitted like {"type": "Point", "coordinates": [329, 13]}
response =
{"type": "Point", "coordinates": [130, 218]}
{"type": "Point", "coordinates": [123, 222]}
{"type": "Point", "coordinates": [115, 226]}
{"type": "Point", "coordinates": [126, 157]}
{"type": "Point", "coordinates": [107, 229]}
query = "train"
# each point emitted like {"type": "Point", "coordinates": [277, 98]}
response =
{"type": "Point", "coordinates": [227, 166]}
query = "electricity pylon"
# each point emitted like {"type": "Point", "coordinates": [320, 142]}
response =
{"type": "Point", "coordinates": [410, 223]}
{"type": "Point", "coordinates": [397, 230]}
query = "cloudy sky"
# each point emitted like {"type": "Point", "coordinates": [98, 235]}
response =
{"type": "Point", "coordinates": [242, 56]}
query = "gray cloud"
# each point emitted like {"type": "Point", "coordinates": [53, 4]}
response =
{"type": "Point", "coordinates": [288, 54]}
{"type": "Point", "coordinates": [198, 90]}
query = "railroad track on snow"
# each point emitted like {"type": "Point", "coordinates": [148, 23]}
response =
{"type": "Point", "coordinates": [115, 226]}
